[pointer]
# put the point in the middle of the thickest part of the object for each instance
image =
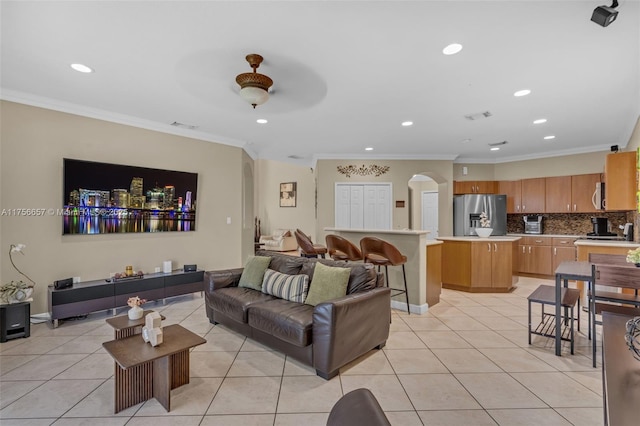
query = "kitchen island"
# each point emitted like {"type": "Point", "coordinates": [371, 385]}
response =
{"type": "Point", "coordinates": [422, 267]}
{"type": "Point", "coordinates": [480, 265]}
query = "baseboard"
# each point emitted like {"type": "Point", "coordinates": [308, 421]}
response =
{"type": "Point", "coordinates": [414, 309]}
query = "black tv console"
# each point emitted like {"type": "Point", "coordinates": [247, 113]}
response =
{"type": "Point", "coordinates": [92, 296]}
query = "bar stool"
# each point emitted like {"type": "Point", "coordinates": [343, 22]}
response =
{"type": "Point", "coordinates": [342, 249]}
{"type": "Point", "coordinates": [546, 295]}
{"type": "Point", "coordinates": [307, 248]}
{"type": "Point", "coordinates": [382, 253]}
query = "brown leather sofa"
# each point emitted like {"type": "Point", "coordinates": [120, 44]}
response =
{"type": "Point", "coordinates": [326, 336]}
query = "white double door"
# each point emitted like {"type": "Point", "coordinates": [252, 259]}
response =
{"type": "Point", "coordinates": [363, 206]}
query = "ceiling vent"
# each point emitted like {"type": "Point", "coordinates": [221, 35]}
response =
{"type": "Point", "coordinates": [498, 143]}
{"type": "Point", "coordinates": [295, 157]}
{"type": "Point", "coordinates": [478, 116]}
{"type": "Point", "coordinates": [184, 126]}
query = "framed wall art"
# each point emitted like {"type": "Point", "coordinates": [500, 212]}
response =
{"type": "Point", "coordinates": [288, 194]}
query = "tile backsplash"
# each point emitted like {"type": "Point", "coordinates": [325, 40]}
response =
{"type": "Point", "coordinates": [573, 223]}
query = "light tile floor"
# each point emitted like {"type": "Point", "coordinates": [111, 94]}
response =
{"type": "Point", "coordinates": [466, 361]}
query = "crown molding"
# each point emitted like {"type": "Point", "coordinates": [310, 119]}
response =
{"type": "Point", "coordinates": [537, 156]}
{"type": "Point", "coordinates": [384, 157]}
{"type": "Point", "coordinates": [113, 117]}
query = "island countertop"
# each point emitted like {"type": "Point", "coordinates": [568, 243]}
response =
{"type": "Point", "coordinates": [607, 243]}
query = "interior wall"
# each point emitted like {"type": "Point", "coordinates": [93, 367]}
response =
{"type": "Point", "coordinates": [399, 174]}
{"type": "Point", "coordinates": [33, 142]}
{"type": "Point", "coordinates": [416, 189]}
{"type": "Point", "coordinates": [270, 175]}
{"type": "Point", "coordinates": [576, 164]}
{"type": "Point", "coordinates": [475, 171]}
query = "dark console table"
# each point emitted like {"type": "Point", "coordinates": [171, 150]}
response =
{"type": "Point", "coordinates": [100, 295]}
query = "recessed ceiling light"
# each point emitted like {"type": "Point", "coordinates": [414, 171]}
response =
{"type": "Point", "coordinates": [540, 121]}
{"type": "Point", "coordinates": [262, 121]}
{"type": "Point", "coordinates": [495, 148]}
{"type": "Point", "coordinates": [523, 92]}
{"type": "Point", "coordinates": [465, 140]}
{"type": "Point", "coordinates": [368, 148]}
{"type": "Point", "coordinates": [549, 137]}
{"type": "Point", "coordinates": [452, 49]}
{"type": "Point", "coordinates": [81, 68]}
{"type": "Point", "coordinates": [407, 123]}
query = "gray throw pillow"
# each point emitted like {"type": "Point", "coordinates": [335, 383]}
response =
{"type": "Point", "coordinates": [253, 272]}
{"type": "Point", "coordinates": [328, 283]}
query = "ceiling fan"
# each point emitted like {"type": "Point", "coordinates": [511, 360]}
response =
{"type": "Point", "coordinates": [254, 87]}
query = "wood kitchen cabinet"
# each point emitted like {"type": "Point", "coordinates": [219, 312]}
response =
{"type": "Point", "coordinates": [535, 256]}
{"type": "Point", "coordinates": [475, 187]}
{"type": "Point", "coordinates": [582, 190]}
{"type": "Point", "coordinates": [620, 181]}
{"type": "Point", "coordinates": [499, 257]}
{"type": "Point", "coordinates": [570, 194]}
{"type": "Point", "coordinates": [478, 266]}
{"type": "Point", "coordinates": [563, 250]}
{"type": "Point", "coordinates": [558, 194]}
{"type": "Point", "coordinates": [533, 195]}
{"type": "Point", "coordinates": [513, 190]}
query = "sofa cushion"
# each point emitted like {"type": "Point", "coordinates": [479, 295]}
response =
{"type": "Point", "coordinates": [253, 272]}
{"type": "Point", "coordinates": [328, 283]}
{"type": "Point", "coordinates": [290, 265]}
{"type": "Point", "coordinates": [362, 276]}
{"type": "Point", "coordinates": [289, 287]}
{"type": "Point", "coordinates": [289, 321]}
{"type": "Point", "coordinates": [234, 301]}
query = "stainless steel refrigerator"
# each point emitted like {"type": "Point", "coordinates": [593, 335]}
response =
{"type": "Point", "coordinates": [467, 209]}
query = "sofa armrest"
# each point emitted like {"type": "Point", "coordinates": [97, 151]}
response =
{"type": "Point", "coordinates": [348, 327]}
{"type": "Point", "coordinates": [214, 280]}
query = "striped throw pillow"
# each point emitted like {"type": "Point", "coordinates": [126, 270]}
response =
{"type": "Point", "coordinates": [289, 287]}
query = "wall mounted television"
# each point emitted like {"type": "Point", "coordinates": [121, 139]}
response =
{"type": "Point", "coordinates": [101, 198]}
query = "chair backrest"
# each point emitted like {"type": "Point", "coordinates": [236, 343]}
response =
{"type": "Point", "coordinates": [617, 276]}
{"type": "Point", "coordinates": [382, 248]}
{"type": "Point", "coordinates": [609, 259]}
{"type": "Point", "coordinates": [304, 242]}
{"type": "Point", "coordinates": [336, 242]}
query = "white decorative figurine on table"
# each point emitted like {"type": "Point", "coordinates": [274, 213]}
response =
{"type": "Point", "coordinates": [152, 330]}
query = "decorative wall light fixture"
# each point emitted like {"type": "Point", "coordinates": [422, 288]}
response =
{"type": "Point", "coordinates": [254, 87]}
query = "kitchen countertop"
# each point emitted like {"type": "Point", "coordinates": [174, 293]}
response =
{"type": "Point", "coordinates": [547, 235]}
{"type": "Point", "coordinates": [607, 243]}
{"type": "Point", "coordinates": [474, 238]}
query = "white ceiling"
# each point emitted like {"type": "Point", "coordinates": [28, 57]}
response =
{"type": "Point", "coordinates": [346, 73]}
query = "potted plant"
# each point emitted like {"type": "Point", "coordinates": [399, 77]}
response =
{"type": "Point", "coordinates": [633, 256]}
{"type": "Point", "coordinates": [136, 311]}
{"type": "Point", "coordinates": [485, 223]}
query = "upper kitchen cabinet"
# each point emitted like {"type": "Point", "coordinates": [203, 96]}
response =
{"type": "Point", "coordinates": [533, 195]}
{"type": "Point", "coordinates": [583, 188]}
{"type": "Point", "coordinates": [620, 181]}
{"type": "Point", "coordinates": [570, 194]}
{"type": "Point", "coordinates": [475, 187]}
{"type": "Point", "coordinates": [558, 194]}
{"type": "Point", "coordinates": [513, 191]}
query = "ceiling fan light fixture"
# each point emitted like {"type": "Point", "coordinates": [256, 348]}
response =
{"type": "Point", "coordinates": [254, 87]}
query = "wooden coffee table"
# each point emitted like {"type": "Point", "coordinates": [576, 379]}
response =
{"type": "Point", "coordinates": [146, 372]}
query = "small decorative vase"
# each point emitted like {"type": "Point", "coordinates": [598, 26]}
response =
{"type": "Point", "coordinates": [135, 313]}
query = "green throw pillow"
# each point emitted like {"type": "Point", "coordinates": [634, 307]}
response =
{"type": "Point", "coordinates": [328, 283]}
{"type": "Point", "coordinates": [254, 272]}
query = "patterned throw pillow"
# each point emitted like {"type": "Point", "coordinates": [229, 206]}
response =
{"type": "Point", "coordinates": [289, 287]}
{"type": "Point", "coordinates": [328, 283]}
{"type": "Point", "coordinates": [253, 272]}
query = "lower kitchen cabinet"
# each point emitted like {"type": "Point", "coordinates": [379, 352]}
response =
{"type": "Point", "coordinates": [483, 265]}
{"type": "Point", "coordinates": [535, 256]}
{"type": "Point", "coordinates": [563, 250]}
